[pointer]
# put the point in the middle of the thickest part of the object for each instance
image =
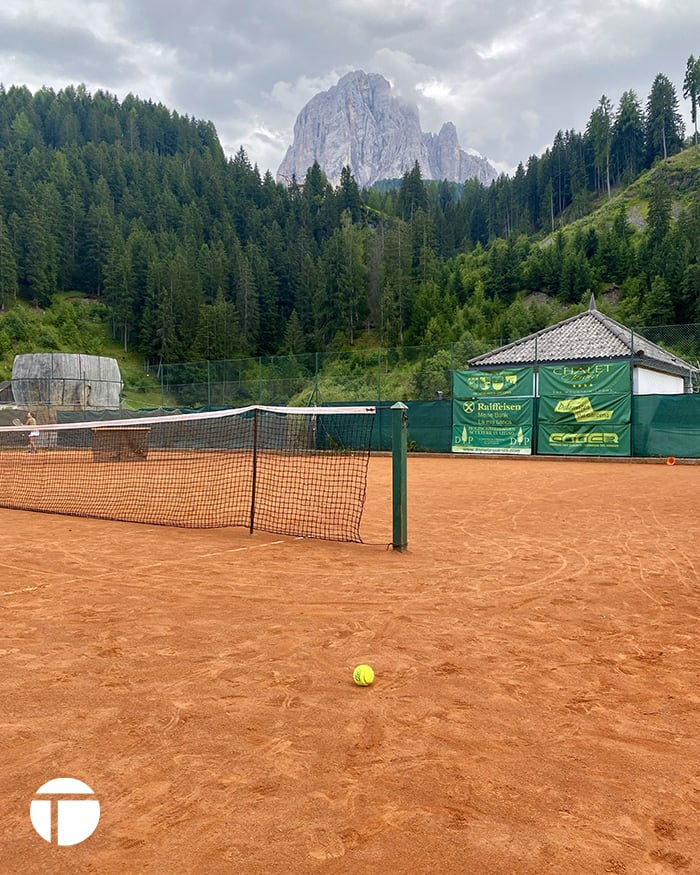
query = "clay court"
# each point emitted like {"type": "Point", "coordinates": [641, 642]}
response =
{"type": "Point", "coordinates": [535, 708]}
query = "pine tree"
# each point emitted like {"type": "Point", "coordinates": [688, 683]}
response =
{"type": "Point", "coordinates": [8, 269]}
{"type": "Point", "coordinates": [218, 331]}
{"type": "Point", "coordinates": [294, 340]}
{"type": "Point", "coordinates": [691, 90]}
{"type": "Point", "coordinates": [599, 131]}
{"type": "Point", "coordinates": [664, 124]}
{"type": "Point", "coordinates": [119, 287]}
{"type": "Point", "coordinates": [412, 194]}
{"type": "Point", "coordinates": [349, 195]}
{"type": "Point", "coordinates": [628, 138]}
{"type": "Point", "coordinates": [247, 303]}
{"type": "Point", "coordinates": [657, 305]}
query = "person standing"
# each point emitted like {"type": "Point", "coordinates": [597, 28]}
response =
{"type": "Point", "coordinates": [33, 435]}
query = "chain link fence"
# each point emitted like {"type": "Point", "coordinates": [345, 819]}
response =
{"type": "Point", "coordinates": [418, 373]}
{"type": "Point", "coordinates": [682, 341]}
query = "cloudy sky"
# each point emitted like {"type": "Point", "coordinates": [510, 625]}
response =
{"type": "Point", "coordinates": [509, 74]}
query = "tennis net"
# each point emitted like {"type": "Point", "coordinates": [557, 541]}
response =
{"type": "Point", "coordinates": [291, 470]}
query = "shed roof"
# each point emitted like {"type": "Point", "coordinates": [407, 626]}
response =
{"type": "Point", "coordinates": [588, 336]}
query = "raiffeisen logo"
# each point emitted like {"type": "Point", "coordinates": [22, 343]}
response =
{"type": "Point", "coordinates": [75, 817]}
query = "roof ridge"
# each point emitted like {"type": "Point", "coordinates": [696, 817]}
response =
{"type": "Point", "coordinates": [623, 334]}
{"type": "Point", "coordinates": [567, 341]}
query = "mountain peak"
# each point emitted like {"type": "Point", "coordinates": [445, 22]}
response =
{"type": "Point", "coordinates": [359, 123]}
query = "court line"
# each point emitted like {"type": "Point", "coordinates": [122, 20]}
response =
{"type": "Point", "coordinates": [236, 550]}
{"type": "Point", "coordinates": [25, 589]}
{"type": "Point", "coordinates": [108, 572]}
{"type": "Point", "coordinates": [195, 558]}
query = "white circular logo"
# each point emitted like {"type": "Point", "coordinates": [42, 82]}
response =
{"type": "Point", "coordinates": [74, 818]}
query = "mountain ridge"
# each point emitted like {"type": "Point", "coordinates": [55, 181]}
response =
{"type": "Point", "coordinates": [360, 124]}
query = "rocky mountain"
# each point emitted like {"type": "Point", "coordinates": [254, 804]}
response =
{"type": "Point", "coordinates": [360, 124]}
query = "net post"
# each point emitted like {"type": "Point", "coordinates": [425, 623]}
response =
{"type": "Point", "coordinates": [255, 470]}
{"type": "Point", "coordinates": [399, 429]}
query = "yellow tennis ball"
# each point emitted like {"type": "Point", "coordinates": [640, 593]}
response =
{"type": "Point", "coordinates": [363, 675]}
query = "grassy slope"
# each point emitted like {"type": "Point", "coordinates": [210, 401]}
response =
{"type": "Point", "coordinates": [682, 173]}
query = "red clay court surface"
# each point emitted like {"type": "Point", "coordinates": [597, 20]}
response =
{"type": "Point", "coordinates": [535, 709]}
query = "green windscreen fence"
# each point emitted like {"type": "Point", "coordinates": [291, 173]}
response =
{"type": "Point", "coordinates": [594, 424]}
{"type": "Point", "coordinates": [428, 430]}
{"type": "Point", "coordinates": [661, 425]}
{"type": "Point", "coordinates": [666, 425]}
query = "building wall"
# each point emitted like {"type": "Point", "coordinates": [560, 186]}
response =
{"type": "Point", "coordinates": [648, 382]}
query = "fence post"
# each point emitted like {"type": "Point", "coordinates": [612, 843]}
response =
{"type": "Point", "coordinates": [399, 428]}
{"type": "Point", "coordinates": [631, 391]}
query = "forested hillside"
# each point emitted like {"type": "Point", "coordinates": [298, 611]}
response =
{"type": "Point", "coordinates": [195, 256]}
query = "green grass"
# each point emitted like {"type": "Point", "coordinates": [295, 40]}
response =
{"type": "Point", "coordinates": [75, 324]}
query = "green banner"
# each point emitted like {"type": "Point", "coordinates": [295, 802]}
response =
{"type": "Point", "coordinates": [494, 412]}
{"type": "Point", "coordinates": [506, 381]}
{"type": "Point", "coordinates": [601, 439]}
{"type": "Point", "coordinates": [586, 409]}
{"type": "Point", "coordinates": [577, 379]}
{"type": "Point", "coordinates": [491, 439]}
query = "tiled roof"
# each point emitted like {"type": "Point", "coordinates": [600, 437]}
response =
{"type": "Point", "coordinates": [589, 335]}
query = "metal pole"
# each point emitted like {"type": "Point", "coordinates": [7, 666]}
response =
{"type": "Point", "coordinates": [255, 471]}
{"type": "Point", "coordinates": [316, 379]}
{"type": "Point", "coordinates": [399, 414]}
{"type": "Point", "coordinates": [632, 391]}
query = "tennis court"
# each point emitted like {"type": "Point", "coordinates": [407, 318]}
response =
{"type": "Point", "coordinates": [535, 708]}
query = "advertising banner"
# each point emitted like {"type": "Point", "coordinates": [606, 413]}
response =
{"type": "Point", "coordinates": [599, 439]}
{"type": "Point", "coordinates": [492, 425]}
{"type": "Point", "coordinates": [577, 379]}
{"type": "Point", "coordinates": [492, 439]}
{"type": "Point", "coordinates": [583, 409]}
{"type": "Point", "coordinates": [505, 381]}
{"type": "Point", "coordinates": [494, 412]}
